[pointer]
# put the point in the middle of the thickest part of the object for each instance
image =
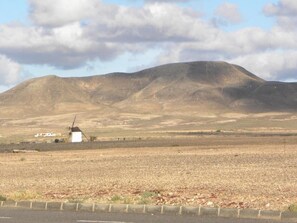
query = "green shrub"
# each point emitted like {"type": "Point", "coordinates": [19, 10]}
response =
{"type": "Point", "coordinates": [24, 195]}
{"type": "Point", "coordinates": [2, 198]}
{"type": "Point", "coordinates": [148, 194]}
{"type": "Point", "coordinates": [293, 208]}
{"type": "Point", "coordinates": [146, 197]}
{"type": "Point", "coordinates": [76, 200]}
{"type": "Point", "coordinates": [116, 198]}
{"type": "Point", "coordinates": [127, 200]}
{"type": "Point", "coordinates": [144, 201]}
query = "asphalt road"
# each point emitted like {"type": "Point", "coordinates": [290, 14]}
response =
{"type": "Point", "coordinates": [8, 215]}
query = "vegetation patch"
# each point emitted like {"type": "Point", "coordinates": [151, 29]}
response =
{"type": "Point", "coordinates": [293, 208]}
{"type": "Point", "coordinates": [127, 200]}
{"type": "Point", "coordinates": [76, 200]}
{"type": "Point", "coordinates": [2, 198]}
{"type": "Point", "coordinates": [116, 198]}
{"type": "Point", "coordinates": [148, 194]}
{"type": "Point", "coordinates": [24, 195]}
{"type": "Point", "coordinates": [147, 197]}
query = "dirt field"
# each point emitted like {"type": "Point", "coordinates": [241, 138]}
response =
{"type": "Point", "coordinates": [245, 172]}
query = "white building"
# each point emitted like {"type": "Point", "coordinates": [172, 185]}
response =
{"type": "Point", "coordinates": [47, 134]}
{"type": "Point", "coordinates": [76, 134]}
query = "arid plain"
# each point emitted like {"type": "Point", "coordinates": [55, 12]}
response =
{"type": "Point", "coordinates": [226, 171]}
{"type": "Point", "coordinates": [207, 133]}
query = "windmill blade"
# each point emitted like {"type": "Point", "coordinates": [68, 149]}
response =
{"type": "Point", "coordinates": [84, 135]}
{"type": "Point", "coordinates": [73, 122]}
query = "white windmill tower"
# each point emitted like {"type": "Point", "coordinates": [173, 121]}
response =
{"type": "Point", "coordinates": [76, 134]}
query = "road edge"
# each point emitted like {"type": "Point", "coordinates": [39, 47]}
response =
{"type": "Point", "coordinates": [152, 209]}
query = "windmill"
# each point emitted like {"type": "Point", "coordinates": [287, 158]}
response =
{"type": "Point", "coordinates": [76, 134]}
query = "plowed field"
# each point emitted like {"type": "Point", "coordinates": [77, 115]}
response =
{"type": "Point", "coordinates": [257, 173]}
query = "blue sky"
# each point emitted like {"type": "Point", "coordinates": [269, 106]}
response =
{"type": "Point", "coordinates": [89, 37]}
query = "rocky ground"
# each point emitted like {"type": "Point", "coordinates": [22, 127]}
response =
{"type": "Point", "coordinates": [252, 174]}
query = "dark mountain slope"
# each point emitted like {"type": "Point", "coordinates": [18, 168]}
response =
{"type": "Point", "coordinates": [277, 95]}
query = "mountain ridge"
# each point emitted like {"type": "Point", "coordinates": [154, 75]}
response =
{"type": "Point", "coordinates": [177, 87]}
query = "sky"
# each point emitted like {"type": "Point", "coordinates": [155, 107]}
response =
{"type": "Point", "coordinates": [92, 37]}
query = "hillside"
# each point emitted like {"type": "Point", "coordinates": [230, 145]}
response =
{"type": "Point", "coordinates": [171, 88]}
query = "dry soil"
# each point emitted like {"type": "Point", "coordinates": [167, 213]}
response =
{"type": "Point", "coordinates": [261, 174]}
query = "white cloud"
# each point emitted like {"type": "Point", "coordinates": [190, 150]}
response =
{"type": "Point", "coordinates": [169, 1]}
{"type": "Point", "coordinates": [281, 8]}
{"type": "Point", "coordinates": [285, 11]}
{"type": "Point", "coordinates": [69, 35]}
{"type": "Point", "coordinates": [273, 65]}
{"type": "Point", "coordinates": [228, 13]}
{"type": "Point", "coordinates": [37, 45]}
{"type": "Point", "coordinates": [70, 44]}
{"type": "Point", "coordinates": [155, 22]}
{"type": "Point", "coordinates": [269, 54]}
{"type": "Point", "coordinates": [9, 71]}
{"type": "Point", "coordinates": [62, 12]}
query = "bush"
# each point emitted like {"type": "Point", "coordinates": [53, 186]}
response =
{"type": "Point", "coordinates": [148, 194]}
{"type": "Point", "coordinates": [116, 198]}
{"type": "Point", "coordinates": [293, 208]}
{"type": "Point", "coordinates": [146, 197]}
{"type": "Point", "coordinates": [24, 195]}
{"type": "Point", "coordinates": [2, 198]}
{"type": "Point", "coordinates": [76, 200]}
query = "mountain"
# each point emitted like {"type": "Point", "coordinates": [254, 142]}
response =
{"type": "Point", "coordinates": [171, 88]}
